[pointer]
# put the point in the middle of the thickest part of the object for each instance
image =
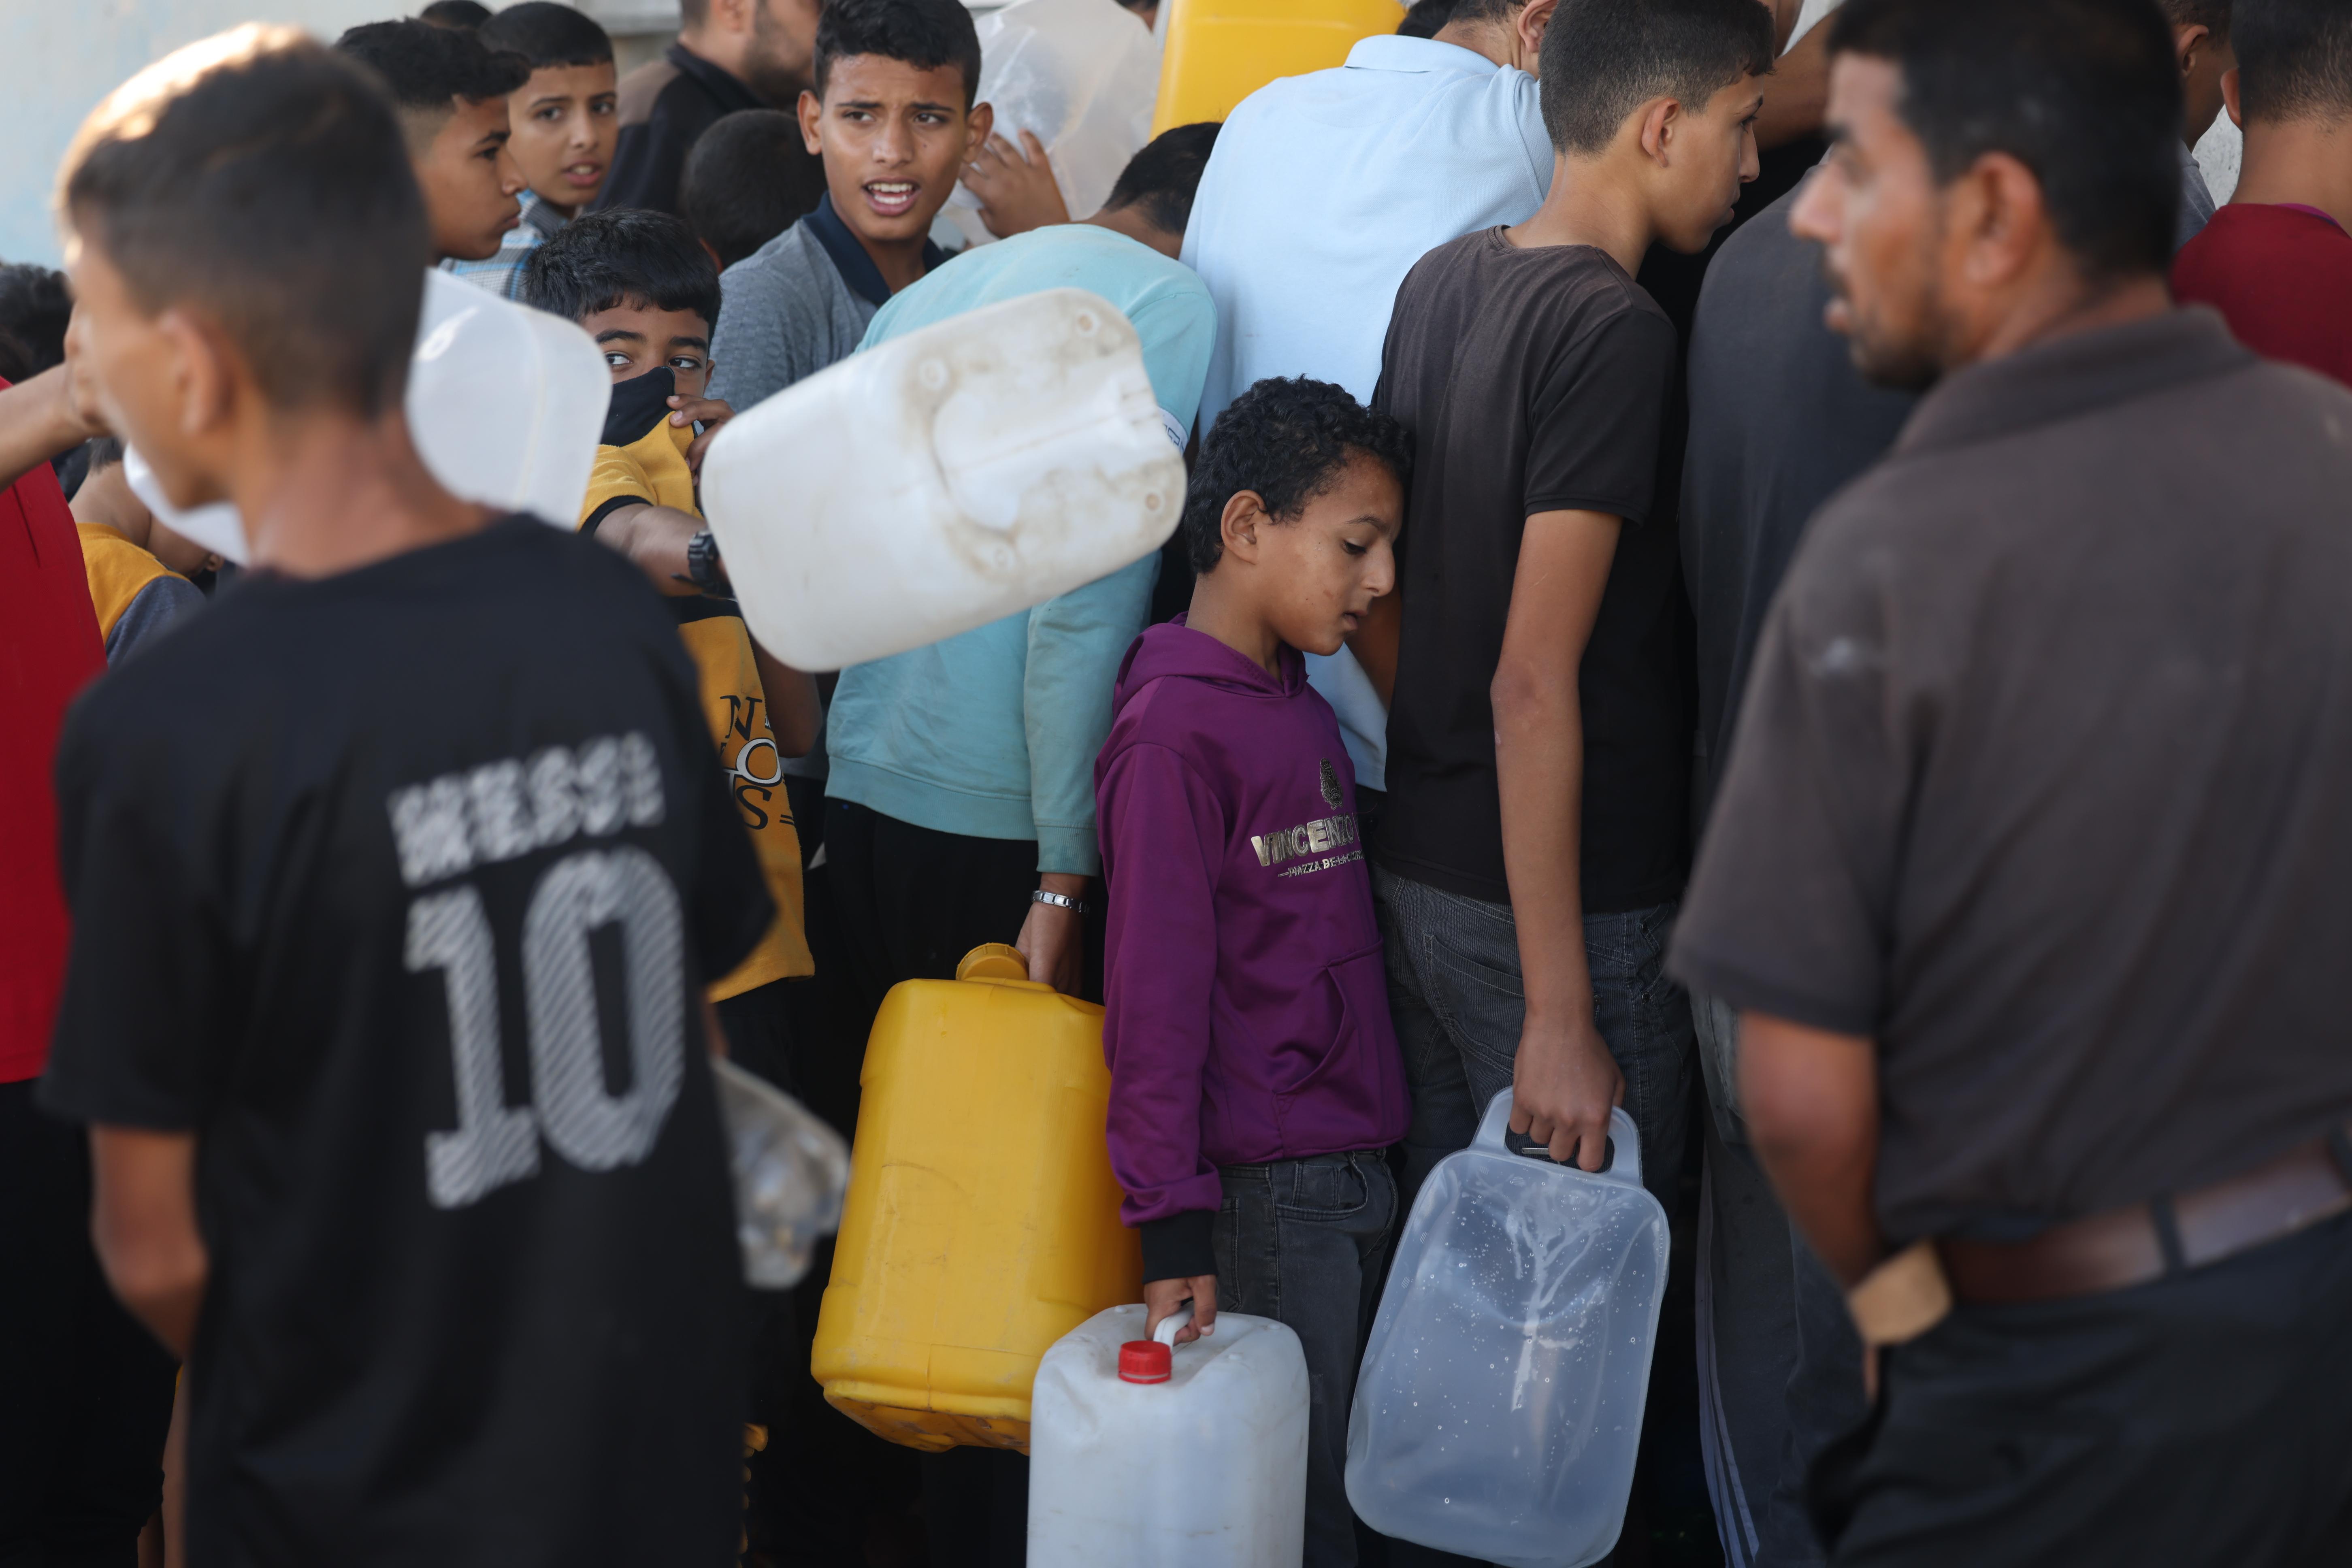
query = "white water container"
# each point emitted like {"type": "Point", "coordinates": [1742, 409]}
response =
{"type": "Point", "coordinates": [1140, 1458]}
{"type": "Point", "coordinates": [942, 480]}
{"type": "Point", "coordinates": [1500, 1401]}
{"type": "Point", "coordinates": [506, 404]}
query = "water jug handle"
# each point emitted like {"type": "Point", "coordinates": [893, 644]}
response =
{"type": "Point", "coordinates": [994, 960]}
{"type": "Point", "coordinates": [1625, 1166]}
{"type": "Point", "coordinates": [1173, 1324]}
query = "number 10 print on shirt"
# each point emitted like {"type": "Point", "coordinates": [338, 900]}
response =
{"type": "Point", "coordinates": [499, 812]}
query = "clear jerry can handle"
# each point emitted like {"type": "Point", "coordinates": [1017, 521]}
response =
{"type": "Point", "coordinates": [1625, 1142]}
{"type": "Point", "coordinates": [994, 960]}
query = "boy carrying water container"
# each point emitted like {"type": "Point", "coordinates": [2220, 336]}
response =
{"type": "Point", "coordinates": [1255, 1077]}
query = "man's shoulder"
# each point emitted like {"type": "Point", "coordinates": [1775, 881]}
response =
{"type": "Point", "coordinates": [643, 88]}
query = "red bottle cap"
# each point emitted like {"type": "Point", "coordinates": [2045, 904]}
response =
{"type": "Point", "coordinates": [1144, 1361]}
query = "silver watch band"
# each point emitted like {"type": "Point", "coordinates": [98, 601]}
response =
{"type": "Point", "coordinates": [1059, 901]}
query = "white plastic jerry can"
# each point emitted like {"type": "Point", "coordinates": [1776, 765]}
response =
{"type": "Point", "coordinates": [942, 480]}
{"type": "Point", "coordinates": [1500, 1402]}
{"type": "Point", "coordinates": [1142, 1453]}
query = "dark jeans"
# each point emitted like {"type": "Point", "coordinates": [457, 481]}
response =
{"type": "Point", "coordinates": [2202, 1421]}
{"type": "Point", "coordinates": [1303, 1242]}
{"type": "Point", "coordinates": [1780, 1366]}
{"type": "Point", "coordinates": [1455, 993]}
{"type": "Point", "coordinates": [85, 1391]}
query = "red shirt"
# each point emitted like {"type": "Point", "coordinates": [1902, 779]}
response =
{"type": "Point", "coordinates": [2281, 277]}
{"type": "Point", "coordinates": [48, 648]}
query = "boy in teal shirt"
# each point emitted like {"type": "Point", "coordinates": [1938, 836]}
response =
{"type": "Point", "coordinates": [977, 753]}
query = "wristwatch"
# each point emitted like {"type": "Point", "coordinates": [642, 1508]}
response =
{"type": "Point", "coordinates": [1059, 901]}
{"type": "Point", "coordinates": [703, 567]}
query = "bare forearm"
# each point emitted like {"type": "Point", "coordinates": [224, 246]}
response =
{"type": "Point", "coordinates": [1540, 766]}
{"type": "Point", "coordinates": [144, 1228]}
{"type": "Point", "coordinates": [1811, 1099]}
{"type": "Point", "coordinates": [38, 422]}
{"type": "Point", "coordinates": [794, 711]}
{"type": "Point", "coordinates": [654, 537]}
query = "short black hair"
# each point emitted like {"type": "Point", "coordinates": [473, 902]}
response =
{"type": "Point", "coordinates": [623, 256]}
{"type": "Point", "coordinates": [2295, 59]}
{"type": "Point", "coordinates": [547, 34]}
{"type": "Point", "coordinates": [1286, 439]}
{"type": "Point", "coordinates": [2084, 93]}
{"type": "Point", "coordinates": [1478, 11]}
{"type": "Point", "coordinates": [1602, 59]}
{"type": "Point", "coordinates": [1426, 17]}
{"type": "Point", "coordinates": [36, 303]}
{"type": "Point", "coordinates": [426, 67]}
{"type": "Point", "coordinates": [925, 34]}
{"type": "Point", "coordinates": [464, 15]}
{"type": "Point", "coordinates": [15, 359]}
{"type": "Point", "coordinates": [2213, 16]}
{"type": "Point", "coordinates": [1163, 178]}
{"type": "Point", "coordinates": [263, 178]}
{"type": "Point", "coordinates": [100, 453]}
{"type": "Point", "coordinates": [747, 179]}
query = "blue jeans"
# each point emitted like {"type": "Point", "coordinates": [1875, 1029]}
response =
{"type": "Point", "coordinates": [1305, 1242]}
{"type": "Point", "coordinates": [1455, 993]}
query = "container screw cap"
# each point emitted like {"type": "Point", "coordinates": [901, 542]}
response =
{"type": "Point", "coordinates": [1145, 1360]}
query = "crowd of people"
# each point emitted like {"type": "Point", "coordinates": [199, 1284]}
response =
{"type": "Point", "coordinates": [1780, 565]}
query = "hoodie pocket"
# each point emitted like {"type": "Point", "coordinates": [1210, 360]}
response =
{"type": "Point", "coordinates": [1362, 1056]}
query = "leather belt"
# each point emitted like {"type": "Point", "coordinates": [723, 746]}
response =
{"type": "Point", "coordinates": [2127, 1246]}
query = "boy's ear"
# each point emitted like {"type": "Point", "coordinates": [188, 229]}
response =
{"type": "Point", "coordinates": [1661, 122]}
{"type": "Point", "coordinates": [1531, 22]}
{"type": "Point", "coordinates": [1244, 509]}
{"type": "Point", "coordinates": [2230, 98]}
{"type": "Point", "coordinates": [812, 110]}
{"type": "Point", "coordinates": [977, 124]}
{"type": "Point", "coordinates": [207, 375]}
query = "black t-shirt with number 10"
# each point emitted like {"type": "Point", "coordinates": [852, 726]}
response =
{"type": "Point", "coordinates": [399, 889]}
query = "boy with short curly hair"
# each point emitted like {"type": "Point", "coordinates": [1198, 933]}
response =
{"type": "Point", "coordinates": [1255, 1080]}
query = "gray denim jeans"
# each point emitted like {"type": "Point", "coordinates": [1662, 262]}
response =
{"type": "Point", "coordinates": [1305, 1242]}
{"type": "Point", "coordinates": [1454, 993]}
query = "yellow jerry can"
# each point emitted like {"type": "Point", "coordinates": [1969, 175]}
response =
{"type": "Point", "coordinates": [1214, 53]}
{"type": "Point", "coordinates": [981, 1222]}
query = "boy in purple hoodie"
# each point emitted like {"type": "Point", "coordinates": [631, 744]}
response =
{"type": "Point", "coordinates": [1256, 1080]}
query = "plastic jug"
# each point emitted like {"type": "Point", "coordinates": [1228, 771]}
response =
{"type": "Point", "coordinates": [1214, 53]}
{"type": "Point", "coordinates": [1500, 1401]}
{"type": "Point", "coordinates": [1195, 1460]}
{"type": "Point", "coordinates": [942, 480]}
{"type": "Point", "coordinates": [1080, 75]}
{"type": "Point", "coordinates": [506, 404]}
{"type": "Point", "coordinates": [982, 1219]}
{"type": "Point", "coordinates": [790, 1171]}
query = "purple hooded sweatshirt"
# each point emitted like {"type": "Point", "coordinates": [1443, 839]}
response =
{"type": "Point", "coordinates": [1248, 1013]}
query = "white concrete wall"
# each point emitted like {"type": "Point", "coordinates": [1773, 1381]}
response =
{"type": "Point", "coordinates": [66, 55]}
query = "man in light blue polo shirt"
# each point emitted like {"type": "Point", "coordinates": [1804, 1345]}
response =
{"type": "Point", "coordinates": [960, 805]}
{"type": "Point", "coordinates": [1324, 191]}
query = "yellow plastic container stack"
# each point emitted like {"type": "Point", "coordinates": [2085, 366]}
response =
{"type": "Point", "coordinates": [1215, 53]}
{"type": "Point", "coordinates": [981, 1222]}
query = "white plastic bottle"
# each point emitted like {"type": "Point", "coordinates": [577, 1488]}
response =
{"type": "Point", "coordinates": [1500, 1401]}
{"type": "Point", "coordinates": [1144, 1458]}
{"type": "Point", "coordinates": [944, 480]}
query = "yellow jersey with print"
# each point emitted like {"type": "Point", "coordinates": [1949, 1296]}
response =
{"type": "Point", "coordinates": [136, 597]}
{"type": "Point", "coordinates": [642, 460]}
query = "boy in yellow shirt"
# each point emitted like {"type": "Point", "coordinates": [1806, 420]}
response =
{"type": "Point", "coordinates": [648, 294]}
{"type": "Point", "coordinates": [139, 569]}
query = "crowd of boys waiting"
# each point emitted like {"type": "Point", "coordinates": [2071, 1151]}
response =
{"type": "Point", "coordinates": [1986, 639]}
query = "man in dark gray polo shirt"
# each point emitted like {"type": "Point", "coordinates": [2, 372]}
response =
{"type": "Point", "coordinates": [2028, 874]}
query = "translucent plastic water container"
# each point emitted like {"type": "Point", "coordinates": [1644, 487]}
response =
{"type": "Point", "coordinates": [944, 480]}
{"type": "Point", "coordinates": [506, 404]}
{"type": "Point", "coordinates": [981, 1222]}
{"type": "Point", "coordinates": [1500, 1401]}
{"type": "Point", "coordinates": [1148, 1455]}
